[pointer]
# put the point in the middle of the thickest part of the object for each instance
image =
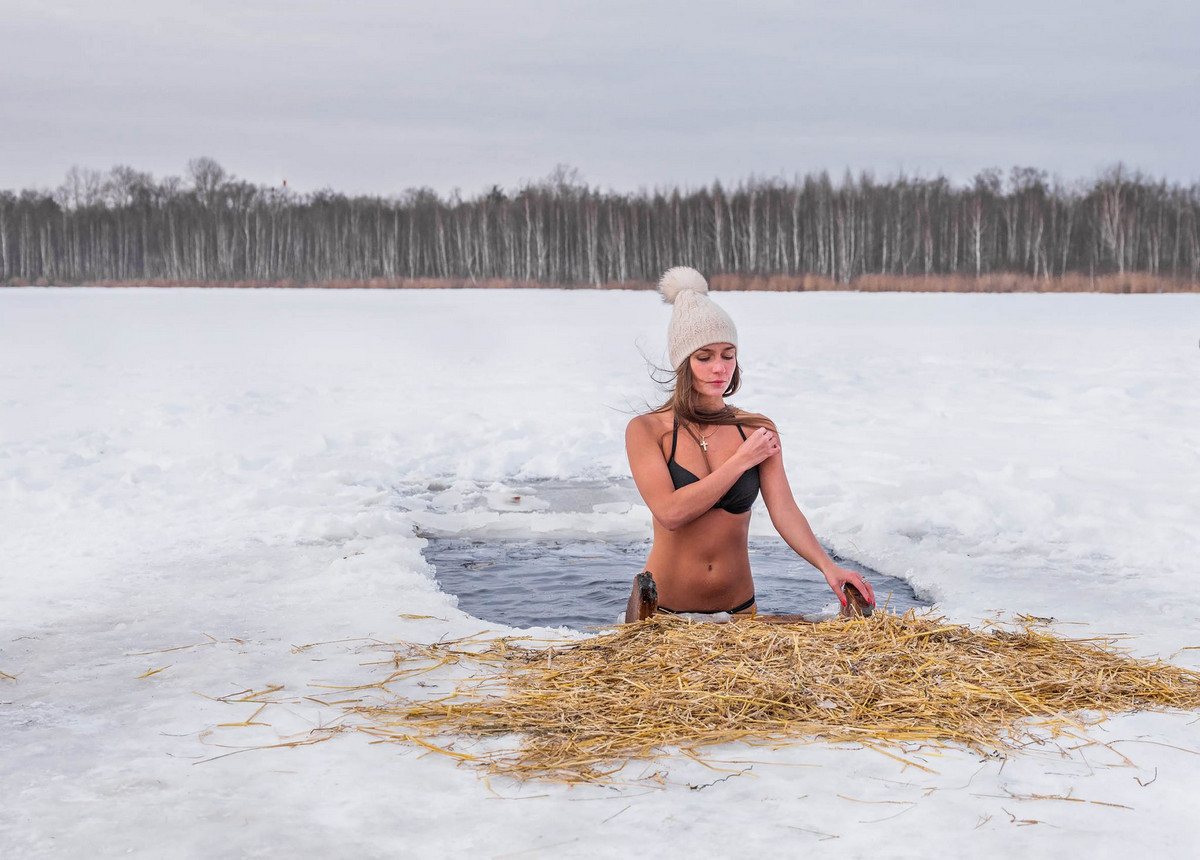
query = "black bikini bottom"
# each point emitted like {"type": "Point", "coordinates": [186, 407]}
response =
{"type": "Point", "coordinates": [741, 607]}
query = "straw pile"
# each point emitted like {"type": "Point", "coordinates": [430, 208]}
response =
{"type": "Point", "coordinates": [581, 710]}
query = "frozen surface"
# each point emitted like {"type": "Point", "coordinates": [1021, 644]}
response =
{"type": "Point", "coordinates": [247, 472]}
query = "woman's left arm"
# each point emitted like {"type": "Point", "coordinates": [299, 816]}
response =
{"type": "Point", "coordinates": [793, 527]}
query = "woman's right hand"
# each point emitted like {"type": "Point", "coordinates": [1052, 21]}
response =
{"type": "Point", "coordinates": [762, 444]}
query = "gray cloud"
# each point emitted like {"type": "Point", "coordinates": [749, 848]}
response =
{"type": "Point", "coordinates": [375, 97]}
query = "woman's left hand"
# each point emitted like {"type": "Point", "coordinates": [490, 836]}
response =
{"type": "Point", "coordinates": [837, 577]}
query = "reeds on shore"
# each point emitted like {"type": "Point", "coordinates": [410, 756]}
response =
{"type": "Point", "coordinates": [578, 711]}
{"type": "Point", "coordinates": [994, 282]}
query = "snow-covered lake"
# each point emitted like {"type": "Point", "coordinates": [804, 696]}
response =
{"type": "Point", "coordinates": [249, 473]}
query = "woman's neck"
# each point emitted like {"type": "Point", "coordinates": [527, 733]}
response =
{"type": "Point", "coordinates": [710, 404]}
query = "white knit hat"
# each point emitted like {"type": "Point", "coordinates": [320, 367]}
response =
{"type": "Point", "coordinates": [695, 321]}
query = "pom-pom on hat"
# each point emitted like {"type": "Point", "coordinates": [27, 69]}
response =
{"type": "Point", "coordinates": [696, 321]}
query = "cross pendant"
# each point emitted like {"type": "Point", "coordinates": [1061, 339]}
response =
{"type": "Point", "coordinates": [703, 446]}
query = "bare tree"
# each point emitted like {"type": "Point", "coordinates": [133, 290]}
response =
{"type": "Point", "coordinates": [123, 225]}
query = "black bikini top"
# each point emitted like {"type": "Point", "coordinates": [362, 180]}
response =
{"type": "Point", "coordinates": [737, 500]}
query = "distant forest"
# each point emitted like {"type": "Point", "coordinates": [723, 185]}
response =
{"type": "Point", "coordinates": [124, 226]}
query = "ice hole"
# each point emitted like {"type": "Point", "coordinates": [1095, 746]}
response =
{"type": "Point", "coordinates": [586, 582]}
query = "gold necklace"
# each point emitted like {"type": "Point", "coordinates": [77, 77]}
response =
{"type": "Point", "coordinates": [704, 439]}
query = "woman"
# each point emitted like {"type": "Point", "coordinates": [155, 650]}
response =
{"type": "Point", "coordinates": [700, 464]}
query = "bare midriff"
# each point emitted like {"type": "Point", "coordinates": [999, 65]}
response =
{"type": "Point", "coordinates": [705, 565]}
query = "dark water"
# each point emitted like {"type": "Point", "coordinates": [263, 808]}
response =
{"type": "Point", "coordinates": [584, 583]}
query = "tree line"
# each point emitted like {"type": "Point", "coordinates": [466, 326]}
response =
{"type": "Point", "coordinates": [211, 227]}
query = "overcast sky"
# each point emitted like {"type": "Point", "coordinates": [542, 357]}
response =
{"type": "Point", "coordinates": [376, 96]}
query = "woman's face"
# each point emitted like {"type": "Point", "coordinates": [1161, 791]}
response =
{"type": "Point", "coordinates": [712, 368]}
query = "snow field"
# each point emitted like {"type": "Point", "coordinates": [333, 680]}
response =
{"type": "Point", "coordinates": [248, 473]}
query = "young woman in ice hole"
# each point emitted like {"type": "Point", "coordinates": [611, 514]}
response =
{"type": "Point", "coordinates": [700, 463]}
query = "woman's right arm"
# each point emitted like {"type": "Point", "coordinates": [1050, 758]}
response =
{"type": "Point", "coordinates": [676, 508]}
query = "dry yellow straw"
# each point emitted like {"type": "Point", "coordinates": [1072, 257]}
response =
{"type": "Point", "coordinates": [582, 709]}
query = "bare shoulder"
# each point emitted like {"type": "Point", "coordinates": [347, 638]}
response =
{"type": "Point", "coordinates": [650, 425]}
